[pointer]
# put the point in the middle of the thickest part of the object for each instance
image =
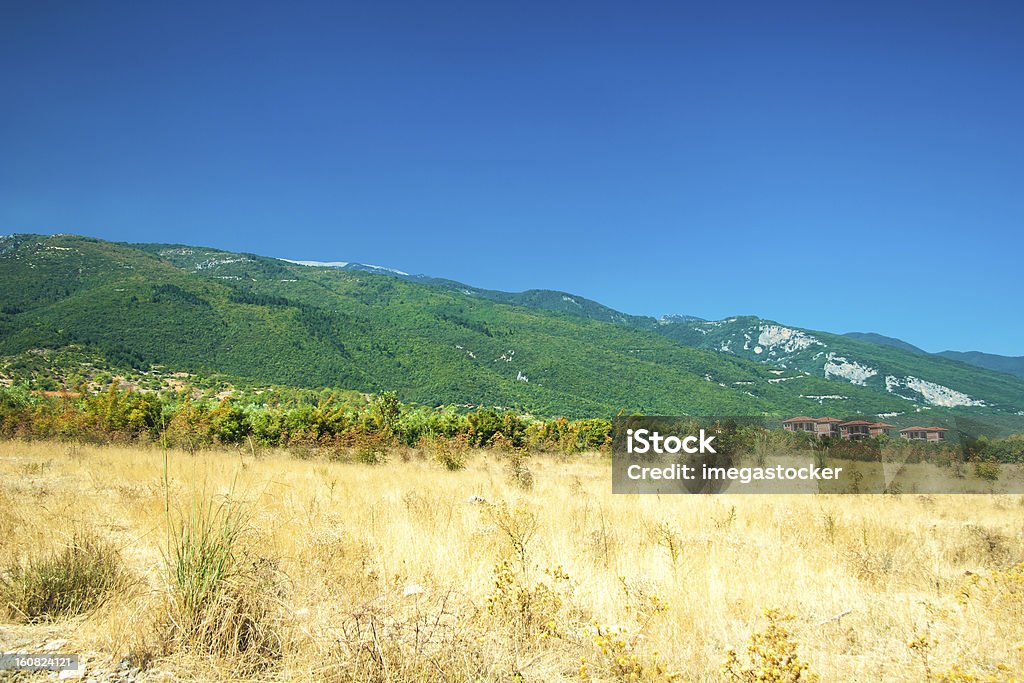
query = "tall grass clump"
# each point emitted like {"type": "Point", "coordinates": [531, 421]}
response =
{"type": "Point", "coordinates": [223, 600]}
{"type": "Point", "coordinates": [61, 583]}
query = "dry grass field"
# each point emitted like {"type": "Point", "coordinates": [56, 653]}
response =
{"type": "Point", "coordinates": [234, 567]}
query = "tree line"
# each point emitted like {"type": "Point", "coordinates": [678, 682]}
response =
{"type": "Point", "coordinates": [339, 422]}
{"type": "Point", "coordinates": [301, 420]}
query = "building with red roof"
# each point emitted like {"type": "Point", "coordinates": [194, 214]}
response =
{"type": "Point", "coordinates": [933, 434]}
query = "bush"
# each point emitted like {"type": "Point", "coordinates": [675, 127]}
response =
{"type": "Point", "coordinates": [986, 470]}
{"type": "Point", "coordinates": [228, 423]}
{"type": "Point", "coordinates": [370, 448]}
{"type": "Point", "coordinates": [772, 656]}
{"type": "Point", "coordinates": [518, 472]}
{"type": "Point", "coordinates": [189, 428]}
{"type": "Point", "coordinates": [528, 608]}
{"type": "Point", "coordinates": [570, 437]}
{"type": "Point", "coordinates": [483, 425]}
{"type": "Point", "coordinates": [450, 453]}
{"type": "Point", "coordinates": [62, 583]}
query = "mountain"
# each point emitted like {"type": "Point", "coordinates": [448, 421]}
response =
{"type": "Point", "coordinates": [347, 265]}
{"type": "Point", "coordinates": [1011, 365]}
{"type": "Point", "coordinates": [921, 378]}
{"type": "Point", "coordinates": [543, 299]}
{"type": "Point", "coordinates": [882, 340]}
{"type": "Point", "coordinates": [262, 321]}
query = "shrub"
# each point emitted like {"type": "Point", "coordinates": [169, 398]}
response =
{"type": "Point", "coordinates": [772, 656]}
{"type": "Point", "coordinates": [986, 470]}
{"type": "Point", "coordinates": [528, 607]}
{"type": "Point", "coordinates": [518, 527]}
{"type": "Point", "coordinates": [228, 423]}
{"type": "Point", "coordinates": [371, 448]}
{"type": "Point", "coordinates": [518, 472]}
{"type": "Point", "coordinates": [483, 425]}
{"type": "Point", "coordinates": [386, 412]}
{"type": "Point", "coordinates": [922, 647]}
{"type": "Point", "coordinates": [1001, 593]}
{"type": "Point", "coordinates": [62, 583]}
{"type": "Point", "coordinates": [614, 657]}
{"type": "Point", "coordinates": [450, 453]}
{"type": "Point", "coordinates": [189, 428]}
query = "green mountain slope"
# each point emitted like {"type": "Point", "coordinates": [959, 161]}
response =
{"type": "Point", "coordinates": [924, 379]}
{"type": "Point", "coordinates": [261, 321]}
{"type": "Point", "coordinates": [883, 340]}
{"type": "Point", "coordinates": [1011, 365]}
{"type": "Point", "coordinates": [543, 299]}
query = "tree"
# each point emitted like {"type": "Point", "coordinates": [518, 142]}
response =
{"type": "Point", "coordinates": [387, 410]}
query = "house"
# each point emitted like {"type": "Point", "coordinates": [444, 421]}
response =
{"type": "Point", "coordinates": [830, 426]}
{"type": "Point", "coordinates": [855, 430]}
{"type": "Point", "coordinates": [880, 429]}
{"type": "Point", "coordinates": [799, 424]}
{"type": "Point", "coordinates": [933, 434]}
{"type": "Point", "coordinates": [827, 426]}
{"type": "Point", "coordinates": [821, 426]}
{"type": "Point", "coordinates": [862, 429]}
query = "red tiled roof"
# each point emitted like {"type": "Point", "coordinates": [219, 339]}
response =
{"type": "Point", "coordinates": [882, 425]}
{"type": "Point", "coordinates": [924, 429]}
{"type": "Point", "coordinates": [854, 422]}
{"type": "Point", "coordinates": [827, 419]}
{"type": "Point", "coordinates": [802, 418]}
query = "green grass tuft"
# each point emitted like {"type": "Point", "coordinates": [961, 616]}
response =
{"type": "Point", "coordinates": [223, 597]}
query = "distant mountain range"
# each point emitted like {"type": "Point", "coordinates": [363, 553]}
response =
{"type": "Point", "coordinates": [262, 321]}
{"type": "Point", "coordinates": [881, 339]}
{"type": "Point", "coordinates": [1011, 365]}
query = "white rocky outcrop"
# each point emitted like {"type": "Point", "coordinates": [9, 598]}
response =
{"type": "Point", "coordinates": [856, 373]}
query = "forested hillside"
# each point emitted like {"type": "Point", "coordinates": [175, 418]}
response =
{"type": "Point", "coordinates": [263, 321]}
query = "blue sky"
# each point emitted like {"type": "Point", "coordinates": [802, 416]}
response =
{"type": "Point", "coordinates": [839, 166]}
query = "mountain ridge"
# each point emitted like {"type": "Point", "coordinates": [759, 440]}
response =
{"type": "Point", "coordinates": [536, 297]}
{"type": "Point", "coordinates": [884, 340]}
{"type": "Point", "coordinates": [1011, 365]}
{"type": "Point", "coordinates": [264, 320]}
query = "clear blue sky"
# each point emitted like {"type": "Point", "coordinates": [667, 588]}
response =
{"type": "Point", "coordinates": [839, 166]}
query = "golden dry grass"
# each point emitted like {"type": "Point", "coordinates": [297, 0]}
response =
{"type": "Point", "coordinates": [389, 572]}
